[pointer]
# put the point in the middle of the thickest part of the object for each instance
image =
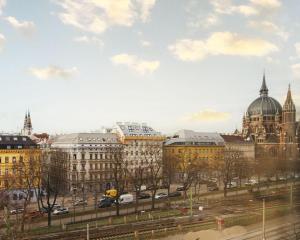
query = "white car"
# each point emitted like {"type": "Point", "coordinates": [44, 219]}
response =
{"type": "Point", "coordinates": [231, 185]}
{"type": "Point", "coordinates": [251, 182]}
{"type": "Point", "coordinates": [60, 211]}
{"type": "Point", "coordinates": [126, 198]}
{"type": "Point", "coordinates": [161, 195]}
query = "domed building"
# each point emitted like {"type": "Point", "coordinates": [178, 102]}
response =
{"type": "Point", "coordinates": [268, 123]}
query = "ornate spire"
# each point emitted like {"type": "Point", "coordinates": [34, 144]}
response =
{"type": "Point", "coordinates": [264, 90]}
{"type": "Point", "coordinates": [289, 105]}
{"type": "Point", "coordinates": [25, 120]}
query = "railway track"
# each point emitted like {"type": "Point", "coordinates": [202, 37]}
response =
{"type": "Point", "coordinates": [145, 228]}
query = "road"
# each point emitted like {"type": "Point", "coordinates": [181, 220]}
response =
{"type": "Point", "coordinates": [144, 205]}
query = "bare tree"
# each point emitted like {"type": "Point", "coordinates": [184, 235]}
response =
{"type": "Point", "coordinates": [26, 178]}
{"type": "Point", "coordinates": [120, 175]}
{"type": "Point", "coordinates": [53, 180]}
{"type": "Point", "coordinates": [169, 169]}
{"type": "Point", "coordinates": [154, 164]}
{"type": "Point", "coordinates": [137, 179]}
{"type": "Point", "coordinates": [227, 165]}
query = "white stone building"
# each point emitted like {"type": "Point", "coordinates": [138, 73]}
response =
{"type": "Point", "coordinates": [91, 158]}
{"type": "Point", "coordinates": [141, 143]}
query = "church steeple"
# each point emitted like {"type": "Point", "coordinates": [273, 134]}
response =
{"type": "Point", "coordinates": [289, 105]}
{"type": "Point", "coordinates": [27, 128]}
{"type": "Point", "coordinates": [264, 90]}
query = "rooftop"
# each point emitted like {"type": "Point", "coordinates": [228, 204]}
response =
{"type": "Point", "coordinates": [136, 129]}
{"type": "Point", "coordinates": [86, 138]}
{"type": "Point", "coordinates": [189, 137]}
{"type": "Point", "coordinates": [16, 142]}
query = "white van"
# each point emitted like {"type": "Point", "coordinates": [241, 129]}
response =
{"type": "Point", "coordinates": [126, 198]}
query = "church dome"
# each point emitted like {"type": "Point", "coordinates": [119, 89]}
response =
{"type": "Point", "coordinates": [264, 105]}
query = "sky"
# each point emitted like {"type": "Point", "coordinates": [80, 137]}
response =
{"type": "Point", "coordinates": [80, 65]}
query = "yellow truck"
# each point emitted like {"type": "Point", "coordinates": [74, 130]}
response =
{"type": "Point", "coordinates": [112, 193]}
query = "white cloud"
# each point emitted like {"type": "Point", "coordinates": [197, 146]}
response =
{"type": "Point", "coordinates": [133, 62]}
{"type": "Point", "coordinates": [267, 3]}
{"type": "Point", "coordinates": [97, 15]}
{"type": "Point", "coordinates": [2, 41]}
{"type": "Point", "coordinates": [208, 115]}
{"type": "Point", "coordinates": [25, 27]}
{"type": "Point", "coordinates": [53, 72]}
{"type": "Point", "coordinates": [145, 43]}
{"type": "Point", "coordinates": [89, 40]}
{"type": "Point", "coordinates": [2, 4]}
{"type": "Point", "coordinates": [269, 27]}
{"type": "Point", "coordinates": [145, 8]}
{"type": "Point", "coordinates": [226, 7]}
{"type": "Point", "coordinates": [296, 70]}
{"type": "Point", "coordinates": [221, 43]}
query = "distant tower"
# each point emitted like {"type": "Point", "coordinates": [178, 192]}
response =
{"type": "Point", "coordinates": [288, 119]}
{"type": "Point", "coordinates": [27, 129]}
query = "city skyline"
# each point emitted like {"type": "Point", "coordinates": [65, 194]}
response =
{"type": "Point", "coordinates": [76, 74]}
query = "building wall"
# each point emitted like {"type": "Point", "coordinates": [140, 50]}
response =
{"type": "Point", "coordinates": [195, 154]}
{"type": "Point", "coordinates": [9, 158]}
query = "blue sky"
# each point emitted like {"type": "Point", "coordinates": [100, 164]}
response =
{"type": "Point", "coordinates": [79, 65]}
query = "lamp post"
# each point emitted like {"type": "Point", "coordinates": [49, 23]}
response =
{"type": "Point", "coordinates": [264, 218]}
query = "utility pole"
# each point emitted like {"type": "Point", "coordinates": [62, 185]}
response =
{"type": "Point", "coordinates": [264, 219]}
{"type": "Point", "coordinates": [291, 197]}
{"type": "Point", "coordinates": [191, 201]}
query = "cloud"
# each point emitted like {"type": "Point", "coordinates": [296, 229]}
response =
{"type": "Point", "coordinates": [25, 27]}
{"type": "Point", "coordinates": [221, 43]}
{"type": "Point", "coordinates": [208, 115]}
{"type": "Point", "coordinates": [133, 62]}
{"type": "Point", "coordinates": [296, 70]}
{"type": "Point", "coordinates": [2, 5]}
{"type": "Point", "coordinates": [269, 27]}
{"type": "Point", "coordinates": [267, 3]}
{"type": "Point", "coordinates": [226, 7]}
{"type": "Point", "coordinates": [89, 40]}
{"type": "Point", "coordinates": [145, 43]}
{"type": "Point", "coordinates": [97, 16]}
{"type": "Point", "coordinates": [2, 41]}
{"type": "Point", "coordinates": [145, 8]}
{"type": "Point", "coordinates": [53, 72]}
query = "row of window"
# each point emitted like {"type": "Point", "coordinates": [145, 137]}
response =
{"type": "Point", "coordinates": [11, 160]}
{"type": "Point", "coordinates": [95, 156]}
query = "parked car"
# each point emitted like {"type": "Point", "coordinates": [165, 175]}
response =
{"type": "Point", "coordinates": [212, 187]}
{"type": "Point", "coordinates": [161, 195]}
{"type": "Point", "coordinates": [213, 180]}
{"type": "Point", "coordinates": [143, 188]}
{"type": "Point", "coordinates": [151, 187]}
{"type": "Point", "coordinates": [180, 188]}
{"type": "Point", "coordinates": [143, 195]}
{"type": "Point", "coordinates": [231, 185]}
{"type": "Point", "coordinates": [126, 198]}
{"type": "Point", "coordinates": [251, 182]}
{"type": "Point", "coordinates": [16, 211]}
{"type": "Point", "coordinates": [175, 194]}
{"type": "Point", "coordinates": [56, 206]}
{"type": "Point", "coordinates": [80, 202]}
{"type": "Point", "coordinates": [60, 211]}
{"type": "Point", "coordinates": [105, 202]}
{"type": "Point", "coordinates": [282, 178]}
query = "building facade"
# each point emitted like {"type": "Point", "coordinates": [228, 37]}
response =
{"type": "Point", "coordinates": [141, 144]}
{"type": "Point", "coordinates": [272, 127]}
{"type": "Point", "coordinates": [190, 147]}
{"type": "Point", "coordinates": [90, 157]}
{"type": "Point", "coordinates": [20, 164]}
{"type": "Point", "coordinates": [238, 143]}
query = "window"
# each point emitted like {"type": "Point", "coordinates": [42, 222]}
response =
{"type": "Point", "coordinates": [74, 156]}
{"type": "Point", "coordinates": [6, 160]}
{"type": "Point", "coordinates": [74, 167]}
{"type": "Point", "coordinates": [82, 156]}
{"type": "Point", "coordinates": [96, 156]}
{"type": "Point", "coordinates": [0, 160]}
{"type": "Point", "coordinates": [14, 159]}
{"type": "Point", "coordinates": [91, 156]}
{"type": "Point", "coordinates": [21, 159]}
{"type": "Point", "coordinates": [6, 171]}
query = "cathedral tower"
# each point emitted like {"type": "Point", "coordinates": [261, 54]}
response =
{"type": "Point", "coordinates": [288, 119]}
{"type": "Point", "coordinates": [27, 128]}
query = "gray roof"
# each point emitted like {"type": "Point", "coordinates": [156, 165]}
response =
{"type": "Point", "coordinates": [86, 138]}
{"type": "Point", "coordinates": [16, 142]}
{"type": "Point", "coordinates": [136, 129]}
{"type": "Point", "coordinates": [189, 137]}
